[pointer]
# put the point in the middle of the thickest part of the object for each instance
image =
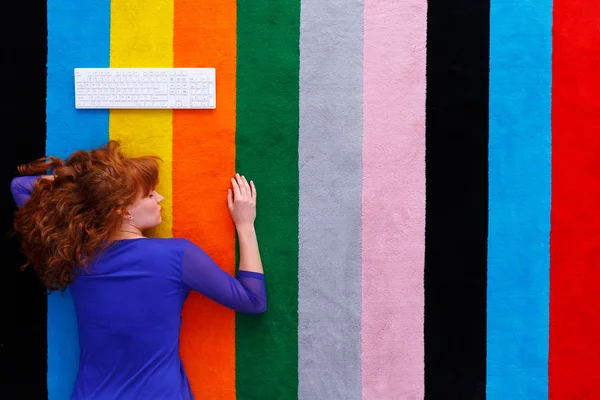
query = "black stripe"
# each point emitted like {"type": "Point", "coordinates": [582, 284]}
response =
{"type": "Point", "coordinates": [457, 198]}
{"type": "Point", "coordinates": [23, 111]}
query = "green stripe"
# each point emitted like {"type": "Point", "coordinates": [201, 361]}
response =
{"type": "Point", "coordinates": [267, 152]}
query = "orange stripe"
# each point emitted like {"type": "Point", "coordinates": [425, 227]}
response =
{"type": "Point", "coordinates": [204, 160]}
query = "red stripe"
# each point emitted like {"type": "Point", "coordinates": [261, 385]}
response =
{"type": "Point", "coordinates": [574, 368]}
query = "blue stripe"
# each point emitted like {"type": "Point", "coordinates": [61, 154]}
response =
{"type": "Point", "coordinates": [78, 36]}
{"type": "Point", "coordinates": [519, 199]}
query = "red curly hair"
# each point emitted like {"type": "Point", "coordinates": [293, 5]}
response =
{"type": "Point", "coordinates": [69, 219]}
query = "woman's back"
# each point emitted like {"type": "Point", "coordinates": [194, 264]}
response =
{"type": "Point", "coordinates": [128, 306]}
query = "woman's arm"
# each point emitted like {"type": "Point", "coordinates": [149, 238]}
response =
{"type": "Point", "coordinates": [246, 294]}
{"type": "Point", "coordinates": [242, 206]}
{"type": "Point", "coordinates": [21, 187]}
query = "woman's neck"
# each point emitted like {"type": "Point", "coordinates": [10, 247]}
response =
{"type": "Point", "coordinates": [127, 232]}
{"type": "Point", "coordinates": [120, 236]}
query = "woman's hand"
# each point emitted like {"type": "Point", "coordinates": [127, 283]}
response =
{"type": "Point", "coordinates": [242, 201]}
{"type": "Point", "coordinates": [242, 206]}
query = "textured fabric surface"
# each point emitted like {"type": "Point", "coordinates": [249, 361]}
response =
{"type": "Point", "coordinates": [141, 35]}
{"type": "Point", "coordinates": [519, 182]}
{"type": "Point", "coordinates": [267, 152]}
{"type": "Point", "coordinates": [329, 150]}
{"type": "Point", "coordinates": [457, 198]}
{"type": "Point", "coordinates": [67, 130]}
{"type": "Point", "coordinates": [575, 235]}
{"type": "Point", "coordinates": [23, 303]}
{"type": "Point", "coordinates": [203, 162]}
{"type": "Point", "coordinates": [393, 196]}
{"type": "Point", "coordinates": [321, 102]}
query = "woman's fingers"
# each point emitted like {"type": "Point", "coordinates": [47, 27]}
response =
{"type": "Point", "coordinates": [242, 189]}
{"type": "Point", "coordinates": [253, 190]}
{"type": "Point", "coordinates": [242, 186]}
{"type": "Point", "coordinates": [229, 199]}
{"type": "Point", "coordinates": [247, 185]}
{"type": "Point", "coordinates": [236, 189]}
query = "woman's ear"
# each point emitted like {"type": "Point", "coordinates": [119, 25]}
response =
{"type": "Point", "coordinates": [125, 214]}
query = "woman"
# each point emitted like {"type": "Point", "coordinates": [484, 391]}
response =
{"type": "Point", "coordinates": [82, 226]}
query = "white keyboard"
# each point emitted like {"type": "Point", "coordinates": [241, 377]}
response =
{"type": "Point", "coordinates": [145, 88]}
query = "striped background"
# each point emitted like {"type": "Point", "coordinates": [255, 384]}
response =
{"type": "Point", "coordinates": [427, 174]}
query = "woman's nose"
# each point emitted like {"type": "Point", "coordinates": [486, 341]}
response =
{"type": "Point", "coordinates": [159, 198]}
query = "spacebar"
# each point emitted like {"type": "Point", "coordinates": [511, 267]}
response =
{"type": "Point", "coordinates": [119, 104]}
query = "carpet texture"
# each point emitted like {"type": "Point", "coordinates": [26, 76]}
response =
{"type": "Point", "coordinates": [330, 180]}
{"type": "Point", "coordinates": [204, 154]}
{"type": "Point", "coordinates": [457, 198]}
{"type": "Point", "coordinates": [141, 35]}
{"type": "Point", "coordinates": [427, 182]}
{"type": "Point", "coordinates": [267, 152]}
{"type": "Point", "coordinates": [574, 254]}
{"type": "Point", "coordinates": [76, 36]}
{"type": "Point", "coordinates": [519, 200]}
{"type": "Point", "coordinates": [393, 199]}
{"type": "Point", "coordinates": [23, 303]}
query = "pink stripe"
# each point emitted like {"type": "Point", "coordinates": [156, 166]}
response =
{"type": "Point", "coordinates": [393, 214]}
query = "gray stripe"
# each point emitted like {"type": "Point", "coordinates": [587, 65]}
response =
{"type": "Point", "coordinates": [330, 163]}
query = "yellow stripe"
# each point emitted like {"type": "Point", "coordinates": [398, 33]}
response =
{"type": "Point", "coordinates": [141, 35]}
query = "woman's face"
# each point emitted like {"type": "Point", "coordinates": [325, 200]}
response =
{"type": "Point", "coordinates": [145, 212]}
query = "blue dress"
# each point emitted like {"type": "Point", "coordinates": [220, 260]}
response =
{"type": "Point", "coordinates": [128, 304]}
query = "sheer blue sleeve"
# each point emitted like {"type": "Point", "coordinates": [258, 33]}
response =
{"type": "Point", "coordinates": [22, 188]}
{"type": "Point", "coordinates": [246, 294]}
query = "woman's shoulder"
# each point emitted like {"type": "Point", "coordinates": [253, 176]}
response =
{"type": "Point", "coordinates": [138, 253]}
{"type": "Point", "coordinates": [135, 250]}
{"type": "Point", "coordinates": [153, 245]}
{"type": "Point", "coordinates": [156, 241]}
